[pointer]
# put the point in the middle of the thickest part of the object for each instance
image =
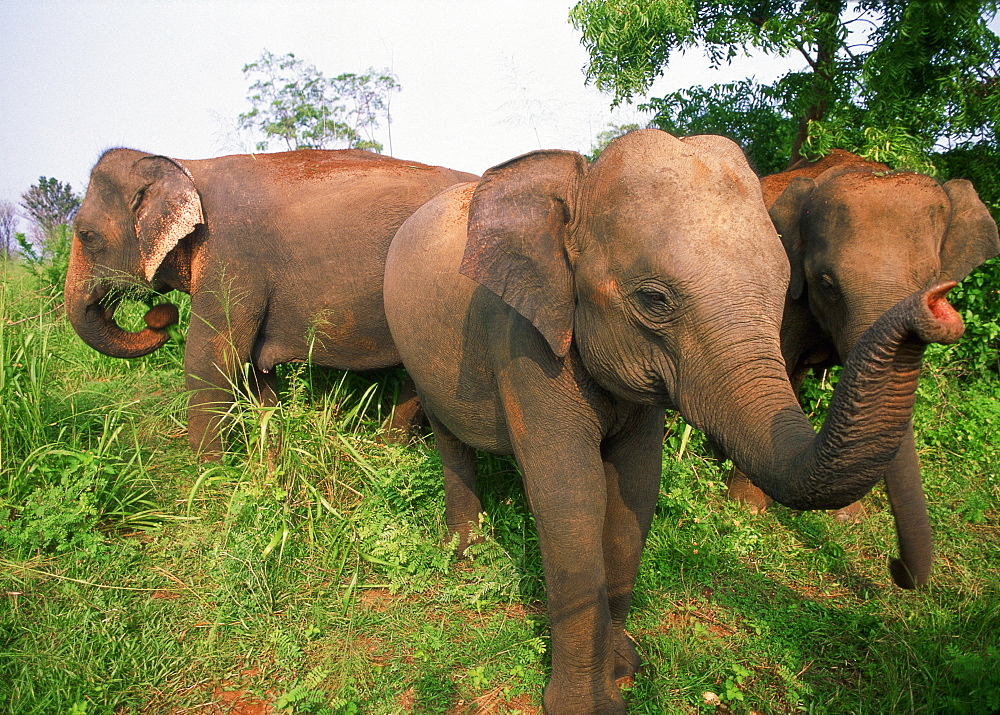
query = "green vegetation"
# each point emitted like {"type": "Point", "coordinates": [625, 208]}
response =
{"type": "Point", "coordinates": [308, 570]}
{"type": "Point", "coordinates": [897, 82]}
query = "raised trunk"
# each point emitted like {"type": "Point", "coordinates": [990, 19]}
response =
{"type": "Point", "coordinates": [92, 316]}
{"type": "Point", "coordinates": [769, 438]}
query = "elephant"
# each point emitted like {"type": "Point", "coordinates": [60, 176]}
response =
{"type": "Point", "coordinates": [860, 238]}
{"type": "Point", "coordinates": [281, 253]}
{"type": "Point", "coordinates": [555, 309]}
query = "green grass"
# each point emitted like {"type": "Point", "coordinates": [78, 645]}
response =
{"type": "Point", "coordinates": [314, 577]}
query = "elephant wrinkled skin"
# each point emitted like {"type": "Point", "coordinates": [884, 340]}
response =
{"type": "Point", "coordinates": [859, 239]}
{"type": "Point", "coordinates": [282, 254]}
{"type": "Point", "coordinates": [554, 309]}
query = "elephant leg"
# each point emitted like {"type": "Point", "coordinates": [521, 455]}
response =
{"type": "Point", "coordinates": [566, 485]}
{"type": "Point", "coordinates": [407, 416]}
{"type": "Point", "coordinates": [210, 396]}
{"type": "Point", "coordinates": [909, 508]}
{"type": "Point", "coordinates": [462, 506]}
{"type": "Point", "coordinates": [212, 362]}
{"type": "Point", "coordinates": [739, 488]}
{"type": "Point", "coordinates": [263, 389]}
{"type": "Point", "coordinates": [632, 471]}
{"type": "Point", "coordinates": [566, 490]}
{"type": "Point", "coordinates": [850, 514]}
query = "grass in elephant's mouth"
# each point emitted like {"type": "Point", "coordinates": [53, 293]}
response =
{"type": "Point", "coordinates": [314, 579]}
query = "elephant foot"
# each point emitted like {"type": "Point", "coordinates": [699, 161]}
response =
{"type": "Point", "coordinates": [208, 457]}
{"type": "Point", "coordinates": [467, 534]}
{"type": "Point", "coordinates": [741, 489]}
{"type": "Point", "coordinates": [391, 435]}
{"type": "Point", "coordinates": [850, 514]}
{"type": "Point", "coordinates": [627, 660]}
{"type": "Point", "coordinates": [568, 701]}
{"type": "Point", "coordinates": [406, 419]}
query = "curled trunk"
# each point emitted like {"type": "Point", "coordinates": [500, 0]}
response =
{"type": "Point", "coordinates": [868, 417]}
{"type": "Point", "coordinates": [92, 316]}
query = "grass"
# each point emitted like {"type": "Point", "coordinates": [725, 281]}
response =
{"type": "Point", "coordinates": [314, 578]}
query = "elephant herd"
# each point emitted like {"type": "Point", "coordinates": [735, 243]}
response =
{"type": "Point", "coordinates": [553, 309]}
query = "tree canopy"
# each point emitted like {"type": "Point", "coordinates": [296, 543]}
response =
{"type": "Point", "coordinates": [50, 204]}
{"type": "Point", "coordinates": [906, 83]}
{"type": "Point", "coordinates": [294, 103]}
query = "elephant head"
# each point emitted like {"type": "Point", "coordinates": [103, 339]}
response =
{"type": "Point", "coordinates": [137, 209]}
{"type": "Point", "coordinates": [659, 263]}
{"type": "Point", "coordinates": [860, 239]}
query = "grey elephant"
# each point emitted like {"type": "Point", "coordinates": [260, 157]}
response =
{"type": "Point", "coordinates": [860, 238]}
{"type": "Point", "coordinates": [282, 255]}
{"type": "Point", "coordinates": [554, 309]}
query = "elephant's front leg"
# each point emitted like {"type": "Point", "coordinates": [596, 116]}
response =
{"type": "Point", "coordinates": [557, 442]}
{"type": "Point", "coordinates": [565, 484]}
{"type": "Point", "coordinates": [632, 466]}
{"type": "Point", "coordinates": [213, 361]}
{"type": "Point", "coordinates": [909, 508]}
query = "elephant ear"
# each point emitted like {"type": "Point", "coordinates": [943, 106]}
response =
{"type": "Point", "coordinates": [972, 232]}
{"type": "Point", "coordinates": [786, 214]}
{"type": "Point", "coordinates": [519, 222]}
{"type": "Point", "coordinates": [166, 209]}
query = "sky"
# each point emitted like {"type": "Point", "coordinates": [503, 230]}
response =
{"type": "Point", "coordinates": [482, 80]}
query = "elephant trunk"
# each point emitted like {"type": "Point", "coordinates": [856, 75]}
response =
{"type": "Point", "coordinates": [868, 417]}
{"type": "Point", "coordinates": [91, 314]}
{"type": "Point", "coordinates": [903, 484]}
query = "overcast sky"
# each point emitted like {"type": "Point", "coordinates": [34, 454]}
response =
{"type": "Point", "coordinates": [482, 80]}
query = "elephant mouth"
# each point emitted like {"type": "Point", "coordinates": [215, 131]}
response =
{"type": "Point", "coordinates": [648, 388]}
{"type": "Point", "coordinates": [110, 299]}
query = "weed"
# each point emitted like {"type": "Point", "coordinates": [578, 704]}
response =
{"type": "Point", "coordinates": [311, 569]}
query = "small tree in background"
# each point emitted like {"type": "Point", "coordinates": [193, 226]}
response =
{"type": "Point", "coordinates": [293, 102]}
{"type": "Point", "coordinates": [8, 228]}
{"type": "Point", "coordinates": [609, 135]}
{"type": "Point", "coordinates": [50, 206]}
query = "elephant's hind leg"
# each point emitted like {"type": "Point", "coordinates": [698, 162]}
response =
{"type": "Point", "coordinates": [740, 489]}
{"type": "Point", "coordinates": [462, 505]}
{"type": "Point", "coordinates": [407, 415]}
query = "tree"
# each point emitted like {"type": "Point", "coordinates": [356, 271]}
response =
{"type": "Point", "coordinates": [8, 228]}
{"type": "Point", "coordinates": [293, 102]}
{"type": "Point", "coordinates": [913, 84]}
{"type": "Point", "coordinates": [895, 81]}
{"type": "Point", "coordinates": [50, 204]}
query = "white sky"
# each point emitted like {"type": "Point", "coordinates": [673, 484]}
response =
{"type": "Point", "coordinates": [482, 80]}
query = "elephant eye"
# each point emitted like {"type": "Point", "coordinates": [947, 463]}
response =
{"type": "Point", "coordinates": [655, 302]}
{"type": "Point", "coordinates": [829, 286]}
{"type": "Point", "coordinates": [90, 239]}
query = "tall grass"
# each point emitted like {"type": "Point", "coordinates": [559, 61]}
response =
{"type": "Point", "coordinates": [309, 570]}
